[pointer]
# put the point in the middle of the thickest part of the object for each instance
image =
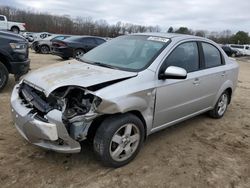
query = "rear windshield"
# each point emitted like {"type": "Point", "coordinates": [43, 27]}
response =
{"type": "Point", "coordinates": [74, 38]}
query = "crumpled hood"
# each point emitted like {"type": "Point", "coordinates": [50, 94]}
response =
{"type": "Point", "coordinates": [73, 73]}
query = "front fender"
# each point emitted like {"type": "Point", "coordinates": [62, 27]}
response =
{"type": "Point", "coordinates": [142, 102]}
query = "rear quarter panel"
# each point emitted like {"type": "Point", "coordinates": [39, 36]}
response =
{"type": "Point", "coordinates": [232, 71]}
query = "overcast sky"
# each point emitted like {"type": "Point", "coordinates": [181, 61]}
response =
{"type": "Point", "coordinates": [212, 15]}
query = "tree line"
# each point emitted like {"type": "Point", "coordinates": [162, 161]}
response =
{"type": "Point", "coordinates": [224, 37]}
{"type": "Point", "coordinates": [40, 22]}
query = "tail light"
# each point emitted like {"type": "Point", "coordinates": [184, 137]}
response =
{"type": "Point", "coordinates": [59, 44]}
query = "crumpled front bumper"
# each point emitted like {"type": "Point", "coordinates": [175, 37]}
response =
{"type": "Point", "coordinates": [50, 135]}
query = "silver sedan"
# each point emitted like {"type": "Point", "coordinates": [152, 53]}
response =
{"type": "Point", "coordinates": [121, 92]}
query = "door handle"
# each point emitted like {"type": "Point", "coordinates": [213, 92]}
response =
{"type": "Point", "coordinates": [196, 81]}
{"type": "Point", "coordinates": [223, 73]}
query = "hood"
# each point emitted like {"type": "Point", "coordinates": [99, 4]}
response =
{"type": "Point", "coordinates": [12, 37]}
{"type": "Point", "coordinates": [73, 73]}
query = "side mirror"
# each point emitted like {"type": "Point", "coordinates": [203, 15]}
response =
{"type": "Point", "coordinates": [173, 72]}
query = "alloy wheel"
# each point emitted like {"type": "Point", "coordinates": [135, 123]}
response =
{"type": "Point", "coordinates": [79, 54]}
{"type": "Point", "coordinates": [124, 142]}
{"type": "Point", "coordinates": [222, 105]}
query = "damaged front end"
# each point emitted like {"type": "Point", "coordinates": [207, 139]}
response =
{"type": "Point", "coordinates": [78, 108]}
{"type": "Point", "coordinates": [59, 121]}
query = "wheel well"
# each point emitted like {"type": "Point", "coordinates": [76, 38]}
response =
{"type": "Point", "coordinates": [229, 90]}
{"type": "Point", "coordinates": [97, 122]}
{"type": "Point", "coordinates": [44, 45]}
{"type": "Point", "coordinates": [15, 27]}
{"type": "Point", "coordinates": [139, 115]}
{"type": "Point", "coordinates": [5, 61]}
{"type": "Point", "coordinates": [80, 49]}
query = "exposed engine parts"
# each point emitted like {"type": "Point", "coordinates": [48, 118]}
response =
{"type": "Point", "coordinates": [77, 105]}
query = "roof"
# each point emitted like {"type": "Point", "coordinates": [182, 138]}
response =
{"type": "Point", "coordinates": [168, 35]}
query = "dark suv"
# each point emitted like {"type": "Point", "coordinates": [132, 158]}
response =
{"type": "Point", "coordinates": [13, 57]}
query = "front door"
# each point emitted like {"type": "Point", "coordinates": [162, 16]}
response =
{"type": "Point", "coordinates": [176, 99]}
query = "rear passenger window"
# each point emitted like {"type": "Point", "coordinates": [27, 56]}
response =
{"type": "Point", "coordinates": [2, 18]}
{"type": "Point", "coordinates": [212, 55]}
{"type": "Point", "coordinates": [185, 56]}
{"type": "Point", "coordinates": [89, 41]}
{"type": "Point", "coordinates": [99, 41]}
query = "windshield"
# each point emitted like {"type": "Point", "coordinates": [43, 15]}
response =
{"type": "Point", "coordinates": [132, 52]}
{"type": "Point", "coordinates": [49, 38]}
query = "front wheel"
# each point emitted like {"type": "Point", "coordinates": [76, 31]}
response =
{"type": "Point", "coordinates": [221, 106]}
{"type": "Point", "coordinates": [119, 139]}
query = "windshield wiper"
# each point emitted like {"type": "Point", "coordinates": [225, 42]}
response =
{"type": "Point", "coordinates": [104, 65]}
{"type": "Point", "coordinates": [98, 63]}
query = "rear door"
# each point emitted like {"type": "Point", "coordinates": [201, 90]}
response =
{"type": "Point", "coordinates": [3, 23]}
{"type": "Point", "coordinates": [88, 43]}
{"type": "Point", "coordinates": [213, 73]}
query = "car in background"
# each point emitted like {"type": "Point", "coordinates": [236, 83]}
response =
{"type": "Point", "coordinates": [37, 37]}
{"type": "Point", "coordinates": [44, 46]}
{"type": "Point", "coordinates": [29, 36]}
{"type": "Point", "coordinates": [231, 52]}
{"type": "Point", "coordinates": [75, 46]}
{"type": "Point", "coordinates": [244, 49]}
{"type": "Point", "coordinates": [122, 91]}
{"type": "Point", "coordinates": [13, 57]}
{"type": "Point", "coordinates": [41, 35]}
{"type": "Point", "coordinates": [6, 25]}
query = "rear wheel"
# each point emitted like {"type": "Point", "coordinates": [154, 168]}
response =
{"type": "Point", "coordinates": [78, 53]}
{"type": "Point", "coordinates": [4, 76]}
{"type": "Point", "coordinates": [44, 49]}
{"type": "Point", "coordinates": [15, 30]}
{"type": "Point", "coordinates": [119, 139]}
{"type": "Point", "coordinates": [221, 106]}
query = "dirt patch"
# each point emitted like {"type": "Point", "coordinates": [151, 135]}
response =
{"type": "Point", "coordinates": [200, 152]}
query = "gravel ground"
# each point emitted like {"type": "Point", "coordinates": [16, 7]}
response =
{"type": "Point", "coordinates": [200, 152]}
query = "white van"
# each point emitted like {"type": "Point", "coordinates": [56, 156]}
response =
{"type": "Point", "coordinates": [244, 49]}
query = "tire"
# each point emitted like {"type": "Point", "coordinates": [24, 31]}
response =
{"type": "Point", "coordinates": [65, 58]}
{"type": "Point", "coordinates": [15, 30]}
{"type": "Point", "coordinates": [113, 145]}
{"type": "Point", "coordinates": [78, 53]}
{"type": "Point", "coordinates": [221, 106]}
{"type": "Point", "coordinates": [44, 49]}
{"type": "Point", "coordinates": [36, 49]}
{"type": "Point", "coordinates": [4, 76]}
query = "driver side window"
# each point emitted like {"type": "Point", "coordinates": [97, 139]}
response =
{"type": "Point", "coordinates": [185, 55]}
